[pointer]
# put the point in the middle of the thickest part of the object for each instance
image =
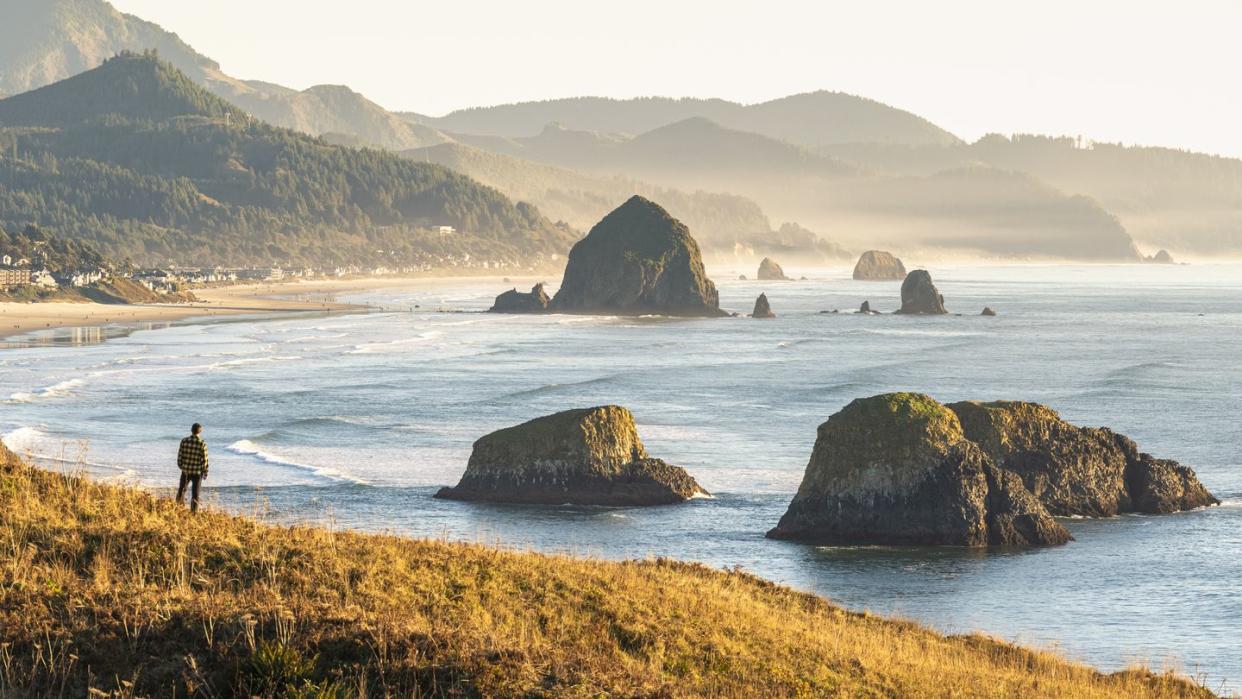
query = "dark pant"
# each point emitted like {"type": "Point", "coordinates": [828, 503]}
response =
{"type": "Point", "coordinates": [196, 480]}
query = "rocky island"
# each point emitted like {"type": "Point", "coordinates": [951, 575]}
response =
{"type": "Point", "coordinates": [898, 469]}
{"type": "Point", "coordinates": [591, 456]}
{"type": "Point", "coordinates": [903, 469]}
{"type": "Point", "coordinates": [514, 301]}
{"type": "Point", "coordinates": [877, 265]}
{"type": "Point", "coordinates": [638, 260]}
{"type": "Point", "coordinates": [770, 271]}
{"type": "Point", "coordinates": [919, 296]}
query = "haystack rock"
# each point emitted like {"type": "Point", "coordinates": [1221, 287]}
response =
{"type": "Point", "coordinates": [876, 265]}
{"type": "Point", "coordinates": [582, 457]}
{"type": "Point", "coordinates": [919, 296]}
{"type": "Point", "coordinates": [1078, 471]}
{"type": "Point", "coordinates": [898, 469]}
{"type": "Point", "coordinates": [517, 302]}
{"type": "Point", "coordinates": [638, 260]}
{"type": "Point", "coordinates": [770, 271]}
{"type": "Point", "coordinates": [762, 308]}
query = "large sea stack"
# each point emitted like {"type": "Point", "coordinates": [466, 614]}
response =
{"type": "Point", "coordinates": [638, 260]}
{"type": "Point", "coordinates": [877, 265]}
{"type": "Point", "coordinates": [515, 301]}
{"type": "Point", "coordinates": [582, 457]}
{"type": "Point", "coordinates": [1078, 471]}
{"type": "Point", "coordinates": [770, 271]}
{"type": "Point", "coordinates": [898, 469]}
{"type": "Point", "coordinates": [919, 296]}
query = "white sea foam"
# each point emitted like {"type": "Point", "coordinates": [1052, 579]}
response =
{"type": "Point", "coordinates": [59, 390]}
{"type": "Point", "coordinates": [245, 447]}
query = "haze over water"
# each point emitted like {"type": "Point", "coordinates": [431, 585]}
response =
{"type": "Point", "coordinates": [358, 419]}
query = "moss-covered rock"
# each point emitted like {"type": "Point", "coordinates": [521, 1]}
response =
{"type": "Point", "coordinates": [1078, 471]}
{"type": "Point", "coordinates": [638, 260]}
{"type": "Point", "coordinates": [770, 271]}
{"type": "Point", "coordinates": [591, 456]}
{"type": "Point", "coordinates": [877, 265]}
{"type": "Point", "coordinates": [514, 301]}
{"type": "Point", "coordinates": [898, 469]}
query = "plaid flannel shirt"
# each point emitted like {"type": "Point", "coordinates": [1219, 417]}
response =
{"type": "Point", "coordinates": [192, 456]}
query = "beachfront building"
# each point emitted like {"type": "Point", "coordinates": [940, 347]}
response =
{"type": "Point", "coordinates": [13, 276]}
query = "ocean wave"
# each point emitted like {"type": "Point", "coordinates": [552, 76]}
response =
{"type": "Point", "coordinates": [245, 447]}
{"type": "Point", "coordinates": [554, 388]}
{"type": "Point", "coordinates": [63, 389]}
{"type": "Point", "coordinates": [382, 347]}
{"type": "Point", "coordinates": [35, 444]}
{"type": "Point", "coordinates": [251, 360]}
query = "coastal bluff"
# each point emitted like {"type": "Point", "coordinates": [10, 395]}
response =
{"type": "Point", "coordinates": [877, 265]}
{"type": "Point", "coordinates": [902, 468]}
{"type": "Point", "coordinates": [898, 469]}
{"type": "Point", "coordinates": [638, 260]}
{"type": "Point", "coordinates": [589, 456]}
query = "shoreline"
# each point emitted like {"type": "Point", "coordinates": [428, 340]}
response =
{"type": "Point", "coordinates": [317, 296]}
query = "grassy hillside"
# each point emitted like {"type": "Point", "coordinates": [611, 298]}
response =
{"type": "Point", "coordinates": [136, 158]}
{"type": "Point", "coordinates": [108, 588]}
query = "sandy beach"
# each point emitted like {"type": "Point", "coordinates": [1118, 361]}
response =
{"type": "Point", "coordinates": [316, 296]}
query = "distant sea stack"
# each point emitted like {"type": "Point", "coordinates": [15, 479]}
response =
{"type": "Point", "coordinates": [770, 271]}
{"type": "Point", "coordinates": [638, 260]}
{"type": "Point", "coordinates": [514, 301]}
{"type": "Point", "coordinates": [987, 311]}
{"type": "Point", "coordinates": [583, 457]}
{"type": "Point", "coordinates": [919, 296]}
{"type": "Point", "coordinates": [877, 265]}
{"type": "Point", "coordinates": [1160, 258]}
{"type": "Point", "coordinates": [897, 469]}
{"type": "Point", "coordinates": [1078, 471]}
{"type": "Point", "coordinates": [762, 308]}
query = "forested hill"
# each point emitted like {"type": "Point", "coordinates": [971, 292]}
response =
{"type": "Point", "coordinates": [137, 158]}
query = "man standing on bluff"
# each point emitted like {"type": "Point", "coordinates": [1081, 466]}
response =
{"type": "Point", "coordinates": [192, 460]}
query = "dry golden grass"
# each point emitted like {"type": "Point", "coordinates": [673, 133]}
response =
{"type": "Point", "coordinates": [107, 591]}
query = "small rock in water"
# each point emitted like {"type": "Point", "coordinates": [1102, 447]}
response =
{"type": "Point", "coordinates": [762, 308]}
{"type": "Point", "coordinates": [987, 311]}
{"type": "Point", "coordinates": [741, 277]}
{"type": "Point", "coordinates": [865, 308]}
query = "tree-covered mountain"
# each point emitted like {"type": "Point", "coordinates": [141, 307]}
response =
{"type": "Point", "coordinates": [136, 158]}
{"type": "Point", "coordinates": [724, 224]}
{"type": "Point", "coordinates": [811, 119]}
{"type": "Point", "coordinates": [45, 41]}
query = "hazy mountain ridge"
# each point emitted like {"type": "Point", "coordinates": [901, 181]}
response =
{"type": "Point", "coordinates": [49, 40]}
{"type": "Point", "coordinates": [810, 119]}
{"type": "Point", "coordinates": [961, 208]}
{"type": "Point", "coordinates": [167, 170]}
{"type": "Point", "coordinates": [722, 223]}
{"type": "Point", "coordinates": [1166, 198]}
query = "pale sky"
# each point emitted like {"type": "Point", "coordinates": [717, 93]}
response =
{"type": "Point", "coordinates": [1137, 71]}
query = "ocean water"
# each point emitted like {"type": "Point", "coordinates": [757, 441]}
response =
{"type": "Point", "coordinates": [357, 419]}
